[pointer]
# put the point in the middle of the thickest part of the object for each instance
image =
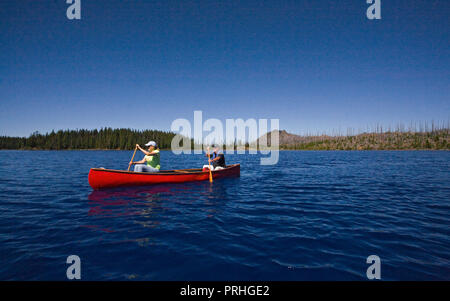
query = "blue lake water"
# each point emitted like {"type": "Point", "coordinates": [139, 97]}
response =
{"type": "Point", "coordinates": [314, 216]}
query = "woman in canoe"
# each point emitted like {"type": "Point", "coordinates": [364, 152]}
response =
{"type": "Point", "coordinates": [217, 159]}
{"type": "Point", "coordinates": [150, 163]}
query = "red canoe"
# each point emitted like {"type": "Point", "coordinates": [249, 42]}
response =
{"type": "Point", "coordinates": [107, 178]}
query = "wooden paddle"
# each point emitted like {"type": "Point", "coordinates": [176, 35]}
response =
{"type": "Point", "coordinates": [209, 165]}
{"type": "Point", "coordinates": [129, 165]}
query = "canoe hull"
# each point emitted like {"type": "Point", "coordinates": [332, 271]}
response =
{"type": "Point", "coordinates": [100, 178]}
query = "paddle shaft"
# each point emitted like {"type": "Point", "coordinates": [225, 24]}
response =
{"type": "Point", "coordinates": [209, 165]}
{"type": "Point", "coordinates": [129, 165]}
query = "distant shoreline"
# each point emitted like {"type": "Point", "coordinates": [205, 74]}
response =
{"type": "Point", "coordinates": [281, 150]}
{"type": "Point", "coordinates": [125, 140]}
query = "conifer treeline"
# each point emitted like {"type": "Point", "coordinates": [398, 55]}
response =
{"type": "Point", "coordinates": [105, 138]}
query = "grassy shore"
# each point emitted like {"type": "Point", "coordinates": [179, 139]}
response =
{"type": "Point", "coordinates": [433, 140]}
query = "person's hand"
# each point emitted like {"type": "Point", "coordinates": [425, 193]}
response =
{"type": "Point", "coordinates": [131, 162]}
{"type": "Point", "coordinates": [207, 148]}
{"type": "Point", "coordinates": [137, 145]}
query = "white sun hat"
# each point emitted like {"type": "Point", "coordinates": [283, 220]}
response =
{"type": "Point", "coordinates": [151, 143]}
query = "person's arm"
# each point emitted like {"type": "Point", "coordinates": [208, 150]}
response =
{"type": "Point", "coordinates": [217, 158]}
{"type": "Point", "coordinates": [153, 153]}
{"type": "Point", "coordinates": [138, 162]}
{"type": "Point", "coordinates": [210, 155]}
{"type": "Point", "coordinates": [142, 150]}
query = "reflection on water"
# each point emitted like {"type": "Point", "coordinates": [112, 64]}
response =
{"type": "Point", "coordinates": [147, 216]}
{"type": "Point", "coordinates": [126, 201]}
{"type": "Point", "coordinates": [145, 203]}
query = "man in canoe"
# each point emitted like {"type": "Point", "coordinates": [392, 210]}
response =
{"type": "Point", "coordinates": [217, 159]}
{"type": "Point", "coordinates": [150, 163]}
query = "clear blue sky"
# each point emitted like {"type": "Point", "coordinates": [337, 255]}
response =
{"type": "Point", "coordinates": [315, 65]}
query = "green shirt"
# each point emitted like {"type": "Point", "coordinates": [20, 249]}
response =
{"type": "Point", "coordinates": [153, 160]}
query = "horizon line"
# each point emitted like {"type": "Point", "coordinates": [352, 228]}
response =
{"type": "Point", "coordinates": [413, 127]}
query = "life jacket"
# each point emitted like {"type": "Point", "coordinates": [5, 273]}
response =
{"type": "Point", "coordinates": [153, 160]}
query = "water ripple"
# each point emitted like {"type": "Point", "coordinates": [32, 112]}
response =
{"type": "Point", "coordinates": [314, 216]}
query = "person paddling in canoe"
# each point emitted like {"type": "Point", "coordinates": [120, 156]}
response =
{"type": "Point", "coordinates": [217, 159]}
{"type": "Point", "coordinates": [150, 163]}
